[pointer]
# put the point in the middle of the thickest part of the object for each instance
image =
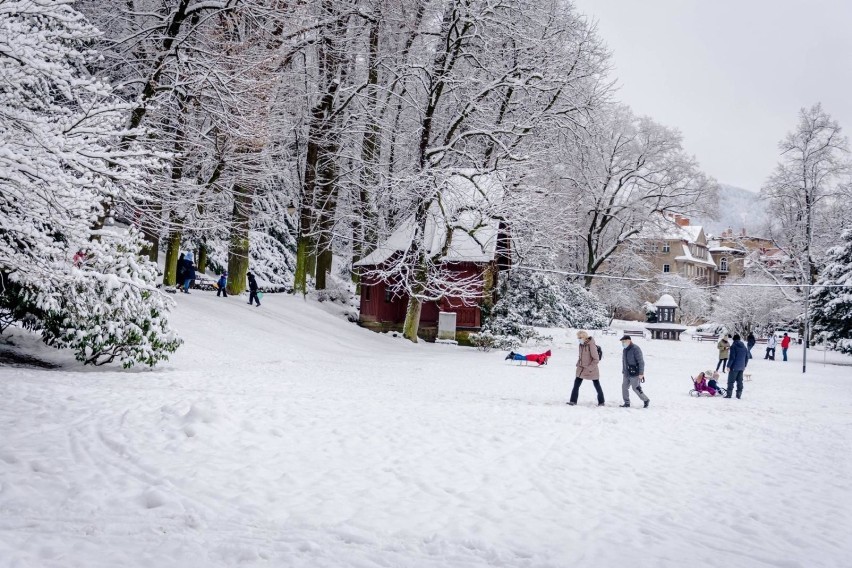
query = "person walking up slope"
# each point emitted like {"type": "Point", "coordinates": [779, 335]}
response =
{"type": "Point", "coordinates": [253, 290]}
{"type": "Point", "coordinates": [587, 367]}
{"type": "Point", "coordinates": [736, 366]}
{"type": "Point", "coordinates": [633, 371]}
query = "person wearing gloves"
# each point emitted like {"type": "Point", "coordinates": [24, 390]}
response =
{"type": "Point", "coordinates": [633, 371]}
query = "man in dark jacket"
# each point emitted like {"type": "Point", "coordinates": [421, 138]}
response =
{"type": "Point", "coordinates": [750, 342]}
{"type": "Point", "coordinates": [737, 362]}
{"type": "Point", "coordinates": [632, 371]}
{"type": "Point", "coordinates": [253, 290]}
{"type": "Point", "coordinates": [180, 271]}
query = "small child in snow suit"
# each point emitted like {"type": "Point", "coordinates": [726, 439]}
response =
{"type": "Point", "coordinates": [701, 384]}
{"type": "Point", "coordinates": [713, 383]}
{"type": "Point", "coordinates": [222, 285]}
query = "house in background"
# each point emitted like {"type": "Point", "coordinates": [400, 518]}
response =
{"type": "Point", "coordinates": [479, 248]}
{"type": "Point", "coordinates": [679, 248]}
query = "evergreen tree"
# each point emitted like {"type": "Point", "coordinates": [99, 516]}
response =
{"type": "Point", "coordinates": [832, 314]}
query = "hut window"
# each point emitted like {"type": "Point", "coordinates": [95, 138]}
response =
{"type": "Point", "coordinates": [388, 296]}
{"type": "Point", "coordinates": [366, 290]}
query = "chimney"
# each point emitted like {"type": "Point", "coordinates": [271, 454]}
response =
{"type": "Point", "coordinates": [682, 221]}
{"type": "Point", "coordinates": [743, 232]}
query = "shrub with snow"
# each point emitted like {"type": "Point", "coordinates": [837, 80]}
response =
{"type": "Point", "coordinates": [64, 156]}
{"type": "Point", "coordinates": [537, 299]}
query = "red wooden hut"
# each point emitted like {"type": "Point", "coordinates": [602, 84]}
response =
{"type": "Point", "coordinates": [478, 253]}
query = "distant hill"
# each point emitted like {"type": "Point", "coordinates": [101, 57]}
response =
{"type": "Point", "coordinates": [738, 209]}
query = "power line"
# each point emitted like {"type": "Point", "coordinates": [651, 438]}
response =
{"type": "Point", "coordinates": [676, 286]}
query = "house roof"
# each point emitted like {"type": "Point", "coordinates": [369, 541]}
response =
{"type": "Point", "coordinates": [687, 256]}
{"type": "Point", "coordinates": [671, 231]}
{"type": "Point", "coordinates": [727, 249]}
{"type": "Point", "coordinates": [466, 203]}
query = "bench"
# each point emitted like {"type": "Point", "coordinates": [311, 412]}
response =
{"type": "Point", "coordinates": [707, 337]}
{"type": "Point", "coordinates": [635, 332]}
{"type": "Point", "coordinates": [608, 331]}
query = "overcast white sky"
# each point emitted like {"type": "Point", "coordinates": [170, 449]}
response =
{"type": "Point", "coordinates": [730, 74]}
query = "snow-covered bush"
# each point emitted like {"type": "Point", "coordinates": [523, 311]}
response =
{"type": "Point", "coordinates": [537, 299]}
{"type": "Point", "coordinates": [64, 157]}
{"type": "Point", "coordinates": [832, 307]}
{"type": "Point", "coordinates": [486, 341]}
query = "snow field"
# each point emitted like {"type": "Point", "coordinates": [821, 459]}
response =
{"type": "Point", "coordinates": [285, 436]}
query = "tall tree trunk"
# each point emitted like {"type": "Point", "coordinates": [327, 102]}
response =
{"type": "Point", "coordinates": [172, 252]}
{"type": "Point", "coordinates": [202, 258]}
{"type": "Point", "coordinates": [364, 234]}
{"type": "Point", "coordinates": [238, 245]}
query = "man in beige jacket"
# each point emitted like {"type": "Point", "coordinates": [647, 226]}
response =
{"type": "Point", "coordinates": [587, 367]}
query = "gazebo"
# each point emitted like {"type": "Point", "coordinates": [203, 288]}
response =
{"type": "Point", "coordinates": [665, 328]}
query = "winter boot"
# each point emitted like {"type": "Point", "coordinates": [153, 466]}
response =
{"type": "Point", "coordinates": [647, 402]}
{"type": "Point", "coordinates": [601, 404]}
{"type": "Point", "coordinates": [511, 355]}
{"type": "Point", "coordinates": [625, 405]}
{"type": "Point", "coordinates": [572, 403]}
{"type": "Point", "coordinates": [728, 395]}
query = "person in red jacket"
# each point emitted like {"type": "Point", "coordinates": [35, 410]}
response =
{"type": "Point", "coordinates": [785, 344]}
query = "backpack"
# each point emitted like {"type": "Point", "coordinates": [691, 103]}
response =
{"type": "Point", "coordinates": [600, 352]}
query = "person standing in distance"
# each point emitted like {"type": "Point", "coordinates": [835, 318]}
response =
{"type": "Point", "coordinates": [587, 367]}
{"type": "Point", "coordinates": [633, 371]}
{"type": "Point", "coordinates": [737, 362]}
{"type": "Point", "coordinates": [785, 345]}
{"type": "Point", "coordinates": [750, 342]}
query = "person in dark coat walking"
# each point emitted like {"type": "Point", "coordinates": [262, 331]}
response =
{"type": "Point", "coordinates": [633, 371]}
{"type": "Point", "coordinates": [253, 290]}
{"type": "Point", "coordinates": [180, 271]}
{"type": "Point", "coordinates": [188, 273]}
{"type": "Point", "coordinates": [222, 285]}
{"type": "Point", "coordinates": [587, 367]}
{"type": "Point", "coordinates": [750, 342]}
{"type": "Point", "coordinates": [737, 362]}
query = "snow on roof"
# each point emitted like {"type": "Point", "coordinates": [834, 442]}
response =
{"type": "Point", "coordinates": [466, 203]}
{"type": "Point", "coordinates": [688, 257]}
{"type": "Point", "coordinates": [666, 326]}
{"type": "Point", "coordinates": [673, 232]}
{"type": "Point", "coordinates": [666, 301]}
{"type": "Point", "coordinates": [726, 249]}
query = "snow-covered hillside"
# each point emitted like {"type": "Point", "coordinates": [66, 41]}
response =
{"type": "Point", "coordinates": [286, 436]}
{"type": "Point", "coordinates": [738, 209]}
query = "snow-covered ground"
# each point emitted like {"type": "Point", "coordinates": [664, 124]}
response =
{"type": "Point", "coordinates": [285, 436]}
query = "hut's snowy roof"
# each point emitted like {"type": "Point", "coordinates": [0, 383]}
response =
{"type": "Point", "coordinates": [467, 204]}
{"type": "Point", "coordinates": [666, 301]}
